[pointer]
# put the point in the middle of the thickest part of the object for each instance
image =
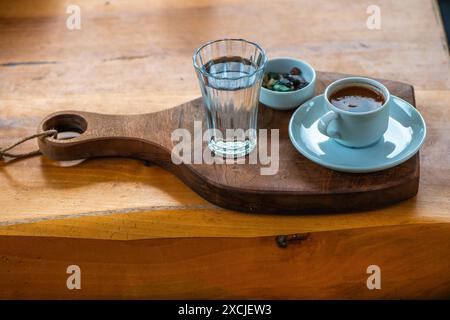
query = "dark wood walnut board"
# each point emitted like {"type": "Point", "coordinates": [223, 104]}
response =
{"type": "Point", "coordinates": [299, 186]}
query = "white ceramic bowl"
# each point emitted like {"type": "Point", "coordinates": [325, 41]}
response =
{"type": "Point", "coordinates": [292, 99]}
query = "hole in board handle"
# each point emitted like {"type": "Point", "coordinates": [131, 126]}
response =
{"type": "Point", "coordinates": [68, 126]}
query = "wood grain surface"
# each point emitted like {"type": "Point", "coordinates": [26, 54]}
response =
{"type": "Point", "coordinates": [233, 268]}
{"type": "Point", "coordinates": [135, 57]}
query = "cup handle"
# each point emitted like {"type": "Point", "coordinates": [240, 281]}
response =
{"type": "Point", "coordinates": [325, 121]}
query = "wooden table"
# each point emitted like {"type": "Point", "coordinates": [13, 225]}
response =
{"type": "Point", "coordinates": [136, 231]}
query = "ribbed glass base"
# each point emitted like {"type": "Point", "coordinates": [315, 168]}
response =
{"type": "Point", "coordinates": [234, 149]}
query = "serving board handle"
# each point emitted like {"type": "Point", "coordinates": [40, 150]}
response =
{"type": "Point", "coordinates": [102, 135]}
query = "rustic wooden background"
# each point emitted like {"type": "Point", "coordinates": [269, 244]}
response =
{"type": "Point", "coordinates": [135, 57]}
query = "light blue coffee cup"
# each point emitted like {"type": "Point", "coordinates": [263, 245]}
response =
{"type": "Point", "coordinates": [355, 129]}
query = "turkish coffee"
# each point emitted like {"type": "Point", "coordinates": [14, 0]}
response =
{"type": "Point", "coordinates": [357, 98]}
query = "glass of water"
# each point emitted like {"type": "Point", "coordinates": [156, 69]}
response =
{"type": "Point", "coordinates": [230, 72]}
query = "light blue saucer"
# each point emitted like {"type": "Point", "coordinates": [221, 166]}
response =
{"type": "Point", "coordinates": [402, 140]}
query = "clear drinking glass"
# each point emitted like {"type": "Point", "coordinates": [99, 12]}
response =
{"type": "Point", "coordinates": [230, 72]}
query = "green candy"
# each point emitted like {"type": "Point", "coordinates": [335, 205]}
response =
{"type": "Point", "coordinates": [281, 88]}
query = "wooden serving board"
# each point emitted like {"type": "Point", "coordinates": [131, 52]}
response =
{"type": "Point", "coordinates": [299, 186]}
